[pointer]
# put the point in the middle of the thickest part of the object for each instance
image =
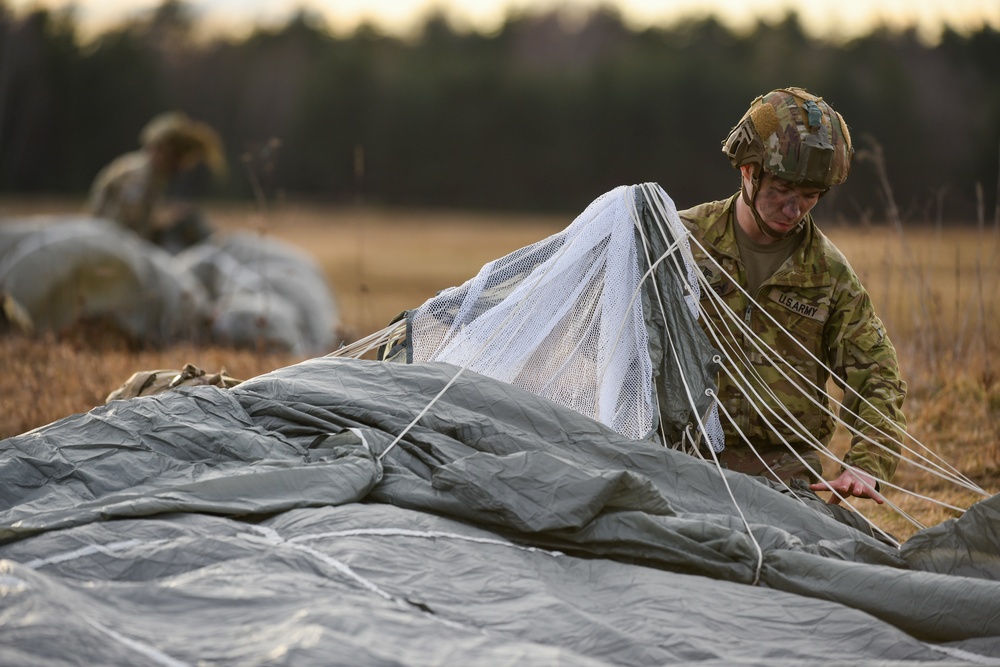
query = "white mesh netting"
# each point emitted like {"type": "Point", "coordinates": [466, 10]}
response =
{"type": "Point", "coordinates": [561, 318]}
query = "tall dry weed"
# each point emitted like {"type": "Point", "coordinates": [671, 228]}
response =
{"type": "Point", "coordinates": [47, 378]}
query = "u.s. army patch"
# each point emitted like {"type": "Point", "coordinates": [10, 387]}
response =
{"type": "Point", "coordinates": [792, 302]}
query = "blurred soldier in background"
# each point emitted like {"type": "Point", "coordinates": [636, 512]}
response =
{"type": "Point", "coordinates": [804, 301]}
{"type": "Point", "coordinates": [132, 189]}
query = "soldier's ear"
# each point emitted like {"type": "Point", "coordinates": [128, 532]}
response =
{"type": "Point", "coordinates": [749, 173]}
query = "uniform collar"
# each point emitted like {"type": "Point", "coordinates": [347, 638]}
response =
{"type": "Point", "coordinates": [808, 267]}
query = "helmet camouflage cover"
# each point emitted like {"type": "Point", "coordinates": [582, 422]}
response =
{"type": "Point", "coordinates": [192, 140]}
{"type": "Point", "coordinates": [793, 135]}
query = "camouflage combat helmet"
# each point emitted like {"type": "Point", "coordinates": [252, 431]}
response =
{"type": "Point", "coordinates": [192, 140]}
{"type": "Point", "coordinates": [793, 135]}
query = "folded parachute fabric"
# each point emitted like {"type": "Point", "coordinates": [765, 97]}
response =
{"type": "Point", "coordinates": [278, 518]}
{"type": "Point", "coordinates": [56, 272]}
{"type": "Point", "coordinates": [240, 289]}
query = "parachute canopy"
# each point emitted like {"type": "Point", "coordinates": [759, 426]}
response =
{"type": "Point", "coordinates": [350, 512]}
{"type": "Point", "coordinates": [259, 523]}
{"type": "Point", "coordinates": [239, 288]}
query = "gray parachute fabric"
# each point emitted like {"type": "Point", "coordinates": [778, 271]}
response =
{"type": "Point", "coordinates": [56, 272]}
{"type": "Point", "coordinates": [236, 288]}
{"type": "Point", "coordinates": [264, 291]}
{"type": "Point", "coordinates": [593, 318]}
{"type": "Point", "coordinates": [259, 524]}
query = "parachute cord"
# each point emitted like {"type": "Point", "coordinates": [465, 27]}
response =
{"type": "Point", "coordinates": [950, 474]}
{"type": "Point", "coordinates": [362, 346]}
{"type": "Point", "coordinates": [652, 278]}
{"type": "Point", "coordinates": [514, 311]}
{"type": "Point", "coordinates": [804, 434]}
{"type": "Point", "coordinates": [690, 399]}
{"type": "Point", "coordinates": [673, 241]}
{"type": "Point", "coordinates": [703, 429]}
{"type": "Point", "coordinates": [777, 362]}
{"type": "Point", "coordinates": [741, 380]}
{"type": "Point", "coordinates": [729, 489]}
{"type": "Point", "coordinates": [420, 415]}
{"type": "Point", "coordinates": [726, 313]}
{"type": "Point", "coordinates": [816, 473]}
{"type": "Point", "coordinates": [794, 425]}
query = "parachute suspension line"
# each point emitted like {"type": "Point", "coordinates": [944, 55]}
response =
{"type": "Point", "coordinates": [949, 473]}
{"type": "Point", "coordinates": [685, 269]}
{"type": "Point", "coordinates": [461, 369]}
{"type": "Point", "coordinates": [807, 437]}
{"type": "Point", "coordinates": [815, 444]}
{"type": "Point", "coordinates": [673, 247]}
{"type": "Point", "coordinates": [420, 415]}
{"type": "Point", "coordinates": [742, 380]}
{"type": "Point", "coordinates": [677, 243]}
{"type": "Point", "coordinates": [726, 313]}
{"type": "Point", "coordinates": [798, 429]}
{"type": "Point", "coordinates": [803, 434]}
{"type": "Point", "coordinates": [363, 346]}
{"type": "Point", "coordinates": [660, 216]}
{"type": "Point", "coordinates": [650, 275]}
{"type": "Point", "coordinates": [778, 362]}
{"type": "Point", "coordinates": [718, 466]}
{"type": "Point", "coordinates": [794, 495]}
{"type": "Point", "coordinates": [818, 445]}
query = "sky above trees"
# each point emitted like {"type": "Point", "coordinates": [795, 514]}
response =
{"type": "Point", "coordinates": [831, 19]}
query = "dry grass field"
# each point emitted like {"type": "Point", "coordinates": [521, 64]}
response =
{"type": "Point", "coordinates": [935, 290]}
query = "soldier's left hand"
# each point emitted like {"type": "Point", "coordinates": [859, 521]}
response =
{"type": "Point", "coordinates": [850, 483]}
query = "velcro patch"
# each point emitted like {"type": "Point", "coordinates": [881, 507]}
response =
{"type": "Point", "coordinates": [792, 302]}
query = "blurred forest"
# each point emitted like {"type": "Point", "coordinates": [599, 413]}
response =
{"type": "Point", "coordinates": [543, 115]}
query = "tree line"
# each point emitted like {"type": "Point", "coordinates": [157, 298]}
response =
{"type": "Point", "coordinates": [542, 114]}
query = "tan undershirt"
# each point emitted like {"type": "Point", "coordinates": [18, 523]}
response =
{"type": "Point", "coordinates": [761, 260]}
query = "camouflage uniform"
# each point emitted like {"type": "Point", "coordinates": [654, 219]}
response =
{"type": "Point", "coordinates": [127, 191]}
{"type": "Point", "coordinates": [134, 185]}
{"type": "Point", "coordinates": [818, 298]}
{"type": "Point", "coordinates": [149, 383]}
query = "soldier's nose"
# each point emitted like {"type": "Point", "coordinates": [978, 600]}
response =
{"type": "Point", "coordinates": [793, 209]}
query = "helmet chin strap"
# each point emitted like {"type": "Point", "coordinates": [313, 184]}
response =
{"type": "Point", "coordinates": [752, 203]}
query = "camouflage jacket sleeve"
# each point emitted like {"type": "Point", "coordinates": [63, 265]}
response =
{"type": "Point", "coordinates": [126, 192]}
{"type": "Point", "coordinates": [865, 367]}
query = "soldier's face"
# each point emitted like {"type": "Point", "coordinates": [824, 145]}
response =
{"type": "Point", "coordinates": [166, 161]}
{"type": "Point", "coordinates": [782, 205]}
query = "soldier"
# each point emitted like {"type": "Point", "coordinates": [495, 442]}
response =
{"type": "Point", "coordinates": [791, 147]}
{"type": "Point", "coordinates": [132, 189]}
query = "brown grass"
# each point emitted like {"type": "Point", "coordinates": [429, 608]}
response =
{"type": "Point", "coordinates": [935, 291]}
